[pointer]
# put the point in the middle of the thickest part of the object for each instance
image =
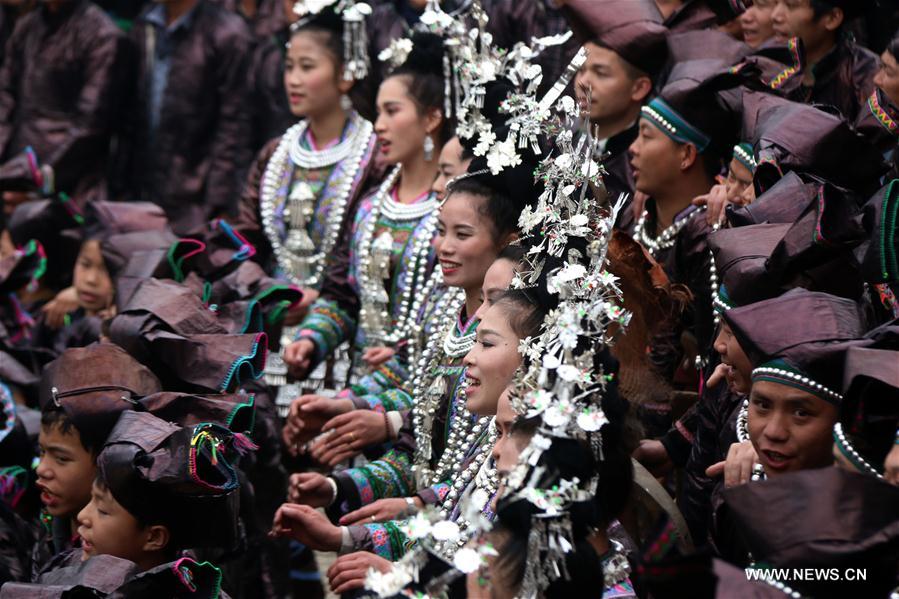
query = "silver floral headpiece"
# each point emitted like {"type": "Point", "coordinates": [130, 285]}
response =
{"type": "Point", "coordinates": [355, 38]}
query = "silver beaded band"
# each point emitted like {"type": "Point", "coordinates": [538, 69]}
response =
{"type": "Point", "coordinates": [847, 449]}
{"type": "Point", "coordinates": [797, 378]}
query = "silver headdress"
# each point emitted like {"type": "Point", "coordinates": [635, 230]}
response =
{"type": "Point", "coordinates": [568, 235]}
{"type": "Point", "coordinates": [355, 38]}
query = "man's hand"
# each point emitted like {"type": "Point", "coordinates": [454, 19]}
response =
{"type": "Point", "coordinates": [737, 467]}
{"type": "Point", "coordinates": [310, 488]}
{"type": "Point", "coordinates": [306, 525]}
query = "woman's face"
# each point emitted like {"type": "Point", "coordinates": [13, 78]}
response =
{"type": "Point", "coordinates": [492, 361]}
{"type": "Point", "coordinates": [465, 241]}
{"type": "Point", "coordinates": [449, 165]}
{"type": "Point", "coordinates": [91, 280]}
{"type": "Point", "coordinates": [757, 24]}
{"type": "Point", "coordinates": [496, 280]}
{"type": "Point", "coordinates": [790, 429]}
{"type": "Point", "coordinates": [311, 76]}
{"type": "Point", "coordinates": [739, 375]}
{"type": "Point", "coordinates": [400, 127]}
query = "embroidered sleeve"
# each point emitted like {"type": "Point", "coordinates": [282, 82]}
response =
{"type": "Point", "coordinates": [388, 476]}
{"type": "Point", "coordinates": [435, 494]}
{"type": "Point", "coordinates": [386, 540]}
{"type": "Point", "coordinates": [327, 326]}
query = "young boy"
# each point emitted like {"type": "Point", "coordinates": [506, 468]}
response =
{"type": "Point", "coordinates": [161, 488]}
{"type": "Point", "coordinates": [82, 394]}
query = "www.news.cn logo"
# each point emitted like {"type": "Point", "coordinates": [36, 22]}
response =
{"type": "Point", "coordinates": [807, 574]}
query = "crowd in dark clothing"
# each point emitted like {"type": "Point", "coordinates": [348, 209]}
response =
{"type": "Point", "coordinates": [140, 270]}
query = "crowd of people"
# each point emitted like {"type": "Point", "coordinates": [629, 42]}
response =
{"type": "Point", "coordinates": [518, 298]}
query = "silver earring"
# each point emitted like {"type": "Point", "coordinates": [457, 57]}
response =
{"type": "Point", "coordinates": [346, 103]}
{"type": "Point", "coordinates": [429, 148]}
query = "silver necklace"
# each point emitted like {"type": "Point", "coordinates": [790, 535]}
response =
{"type": "Point", "coordinates": [665, 239]}
{"type": "Point", "coordinates": [315, 159]}
{"type": "Point", "coordinates": [374, 268]}
{"type": "Point", "coordinates": [485, 477]}
{"type": "Point", "coordinates": [297, 257]}
{"type": "Point", "coordinates": [713, 280]}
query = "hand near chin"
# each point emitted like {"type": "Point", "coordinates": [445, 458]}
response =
{"type": "Point", "coordinates": [306, 525]}
{"type": "Point", "coordinates": [737, 467]}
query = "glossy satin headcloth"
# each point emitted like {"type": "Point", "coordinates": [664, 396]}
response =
{"type": "Point", "coordinates": [184, 477]}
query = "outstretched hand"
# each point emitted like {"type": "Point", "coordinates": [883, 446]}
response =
{"type": "Point", "coordinates": [306, 525]}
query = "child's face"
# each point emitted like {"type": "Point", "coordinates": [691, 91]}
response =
{"type": "Point", "coordinates": [65, 471]}
{"type": "Point", "coordinates": [790, 429]}
{"type": "Point", "coordinates": [105, 527]}
{"type": "Point", "coordinates": [92, 282]}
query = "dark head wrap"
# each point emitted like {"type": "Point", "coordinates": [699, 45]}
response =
{"type": "Point", "coordinates": [93, 385]}
{"type": "Point", "coordinates": [168, 328]}
{"type": "Point", "coordinates": [235, 411]}
{"type": "Point", "coordinates": [879, 254]}
{"type": "Point", "coordinates": [212, 251]}
{"type": "Point", "coordinates": [799, 339]}
{"type": "Point", "coordinates": [822, 518]}
{"type": "Point", "coordinates": [23, 267]}
{"type": "Point", "coordinates": [180, 476]}
{"type": "Point", "coordinates": [692, 109]}
{"type": "Point", "coordinates": [104, 219]}
{"type": "Point", "coordinates": [631, 28]}
{"type": "Point", "coordinates": [785, 202]}
{"type": "Point", "coordinates": [705, 44]}
{"type": "Point", "coordinates": [741, 256]}
{"type": "Point", "coordinates": [789, 136]}
{"type": "Point", "coordinates": [56, 225]}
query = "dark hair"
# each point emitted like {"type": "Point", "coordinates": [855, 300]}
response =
{"type": "Point", "coordinates": [423, 75]}
{"type": "Point", "coordinates": [525, 317]}
{"type": "Point", "coordinates": [893, 47]}
{"type": "Point", "coordinates": [53, 417]}
{"type": "Point", "coordinates": [159, 518]}
{"type": "Point", "coordinates": [499, 208]}
{"type": "Point", "coordinates": [328, 38]}
{"type": "Point", "coordinates": [514, 252]}
{"type": "Point", "coordinates": [822, 7]}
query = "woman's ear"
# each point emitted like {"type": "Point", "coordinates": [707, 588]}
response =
{"type": "Point", "coordinates": [433, 119]}
{"type": "Point", "coordinates": [343, 85]}
{"type": "Point", "coordinates": [157, 539]}
{"type": "Point", "coordinates": [508, 239]}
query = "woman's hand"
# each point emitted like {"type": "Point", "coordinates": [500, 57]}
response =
{"type": "Point", "coordinates": [296, 314]}
{"type": "Point", "coordinates": [737, 467]}
{"type": "Point", "coordinates": [348, 435]}
{"type": "Point", "coordinates": [298, 357]}
{"type": "Point", "coordinates": [306, 525]}
{"type": "Point", "coordinates": [382, 510]}
{"type": "Point", "coordinates": [348, 572]}
{"type": "Point", "coordinates": [306, 417]}
{"type": "Point", "coordinates": [310, 488]}
{"type": "Point", "coordinates": [55, 310]}
{"type": "Point", "coordinates": [375, 356]}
